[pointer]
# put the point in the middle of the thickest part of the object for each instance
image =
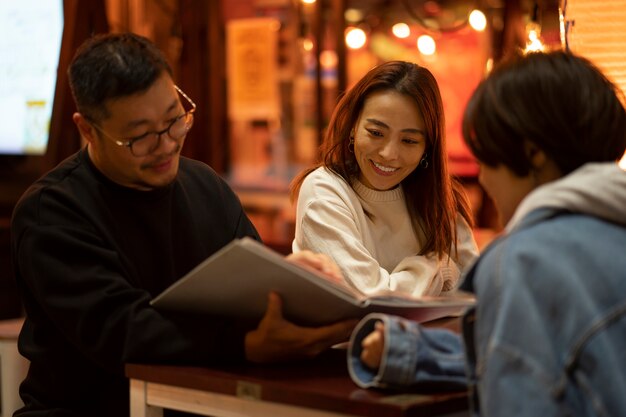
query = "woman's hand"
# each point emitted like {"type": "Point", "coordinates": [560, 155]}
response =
{"type": "Point", "coordinates": [319, 262]}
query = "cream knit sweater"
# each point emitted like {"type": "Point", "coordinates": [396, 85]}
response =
{"type": "Point", "coordinates": [369, 235]}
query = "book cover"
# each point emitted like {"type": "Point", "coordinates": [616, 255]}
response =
{"type": "Point", "coordinates": [236, 280]}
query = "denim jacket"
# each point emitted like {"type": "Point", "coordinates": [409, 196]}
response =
{"type": "Point", "coordinates": [547, 336]}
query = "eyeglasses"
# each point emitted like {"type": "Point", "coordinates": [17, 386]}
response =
{"type": "Point", "coordinates": [148, 142]}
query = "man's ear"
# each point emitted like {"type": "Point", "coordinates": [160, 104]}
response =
{"type": "Point", "coordinates": [86, 129]}
{"type": "Point", "coordinates": [535, 155]}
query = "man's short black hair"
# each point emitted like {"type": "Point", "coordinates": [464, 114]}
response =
{"type": "Point", "coordinates": [110, 66]}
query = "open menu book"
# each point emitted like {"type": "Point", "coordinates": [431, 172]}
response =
{"type": "Point", "coordinates": [236, 280]}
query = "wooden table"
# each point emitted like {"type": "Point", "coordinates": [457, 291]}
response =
{"type": "Point", "coordinates": [13, 367]}
{"type": "Point", "coordinates": [316, 388]}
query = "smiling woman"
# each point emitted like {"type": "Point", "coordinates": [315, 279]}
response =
{"type": "Point", "coordinates": [382, 203]}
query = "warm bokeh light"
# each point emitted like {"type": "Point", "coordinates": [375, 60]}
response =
{"type": "Point", "coordinates": [328, 59]}
{"type": "Point", "coordinates": [489, 65]}
{"type": "Point", "coordinates": [562, 28]}
{"type": "Point", "coordinates": [353, 15]}
{"type": "Point", "coordinates": [355, 38]}
{"type": "Point", "coordinates": [308, 1]}
{"type": "Point", "coordinates": [401, 30]}
{"type": "Point", "coordinates": [534, 44]}
{"type": "Point", "coordinates": [307, 44]}
{"type": "Point", "coordinates": [477, 20]}
{"type": "Point", "coordinates": [426, 45]}
{"type": "Point", "coordinates": [622, 163]}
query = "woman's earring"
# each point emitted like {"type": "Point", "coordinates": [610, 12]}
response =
{"type": "Point", "coordinates": [424, 161]}
{"type": "Point", "coordinates": [351, 144]}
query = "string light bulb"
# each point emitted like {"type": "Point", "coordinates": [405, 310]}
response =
{"type": "Point", "coordinates": [477, 20]}
{"type": "Point", "coordinates": [355, 38]}
{"type": "Point", "coordinates": [401, 30]}
{"type": "Point", "coordinates": [426, 45]}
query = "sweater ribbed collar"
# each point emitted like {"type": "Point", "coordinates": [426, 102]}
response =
{"type": "Point", "coordinates": [376, 196]}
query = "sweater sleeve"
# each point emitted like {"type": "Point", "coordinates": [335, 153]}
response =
{"type": "Point", "coordinates": [329, 227]}
{"type": "Point", "coordinates": [328, 222]}
{"type": "Point", "coordinates": [444, 274]}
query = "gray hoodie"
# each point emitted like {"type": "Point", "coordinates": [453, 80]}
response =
{"type": "Point", "coordinates": [596, 189]}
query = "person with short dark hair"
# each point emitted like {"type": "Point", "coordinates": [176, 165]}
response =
{"type": "Point", "coordinates": [111, 227]}
{"type": "Point", "coordinates": [547, 336]}
{"type": "Point", "coordinates": [381, 202]}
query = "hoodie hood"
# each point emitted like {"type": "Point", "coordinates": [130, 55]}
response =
{"type": "Point", "coordinates": [595, 189]}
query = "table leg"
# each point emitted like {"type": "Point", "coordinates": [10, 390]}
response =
{"type": "Point", "coordinates": [13, 369]}
{"type": "Point", "coordinates": [139, 402]}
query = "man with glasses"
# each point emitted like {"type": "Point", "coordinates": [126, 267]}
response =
{"type": "Point", "coordinates": [114, 225]}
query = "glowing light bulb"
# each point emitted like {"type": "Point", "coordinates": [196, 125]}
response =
{"type": "Point", "coordinates": [477, 20]}
{"type": "Point", "coordinates": [401, 30]}
{"type": "Point", "coordinates": [355, 38]}
{"type": "Point", "coordinates": [426, 45]}
{"type": "Point", "coordinates": [307, 44]}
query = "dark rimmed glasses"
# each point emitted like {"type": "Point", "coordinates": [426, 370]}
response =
{"type": "Point", "coordinates": [148, 142]}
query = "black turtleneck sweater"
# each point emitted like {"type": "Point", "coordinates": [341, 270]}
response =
{"type": "Point", "coordinates": [89, 255]}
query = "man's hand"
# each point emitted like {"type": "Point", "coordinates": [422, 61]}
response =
{"type": "Point", "coordinates": [319, 262]}
{"type": "Point", "coordinates": [278, 340]}
{"type": "Point", "coordinates": [373, 345]}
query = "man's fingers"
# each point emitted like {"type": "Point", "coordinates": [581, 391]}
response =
{"type": "Point", "coordinates": [335, 333]}
{"type": "Point", "coordinates": [274, 309]}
